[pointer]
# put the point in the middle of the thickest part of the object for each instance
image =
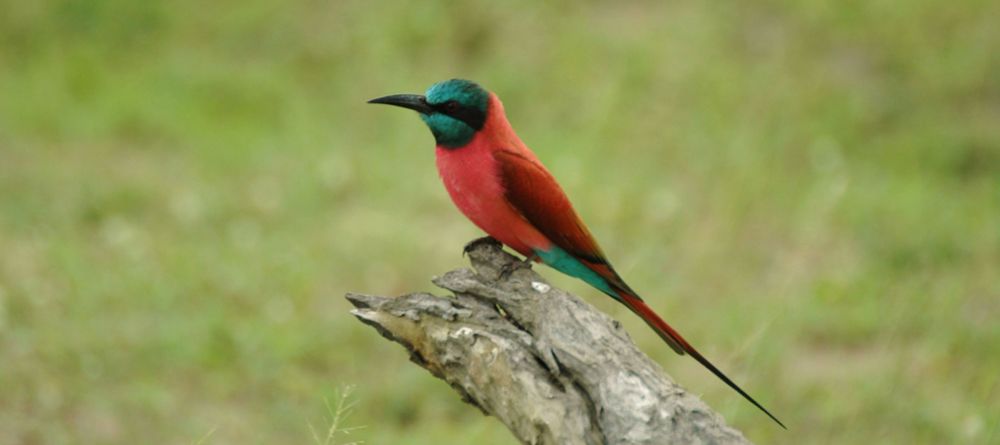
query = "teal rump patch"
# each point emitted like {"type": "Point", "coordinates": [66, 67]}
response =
{"type": "Point", "coordinates": [562, 261]}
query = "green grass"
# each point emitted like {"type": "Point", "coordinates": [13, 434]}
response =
{"type": "Point", "coordinates": [810, 191]}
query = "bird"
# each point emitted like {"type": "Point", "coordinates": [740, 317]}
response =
{"type": "Point", "coordinates": [499, 184]}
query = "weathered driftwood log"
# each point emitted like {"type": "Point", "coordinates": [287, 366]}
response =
{"type": "Point", "coordinates": [551, 367]}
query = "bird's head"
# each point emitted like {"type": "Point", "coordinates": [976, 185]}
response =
{"type": "Point", "coordinates": [454, 109]}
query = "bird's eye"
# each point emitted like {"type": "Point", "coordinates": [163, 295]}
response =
{"type": "Point", "coordinates": [451, 106]}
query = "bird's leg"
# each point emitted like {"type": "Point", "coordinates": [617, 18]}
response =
{"type": "Point", "coordinates": [512, 266]}
{"type": "Point", "coordinates": [476, 242]}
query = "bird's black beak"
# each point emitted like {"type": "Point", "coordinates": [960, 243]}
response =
{"type": "Point", "coordinates": [414, 102]}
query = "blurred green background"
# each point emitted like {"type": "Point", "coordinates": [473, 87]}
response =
{"type": "Point", "coordinates": [810, 191]}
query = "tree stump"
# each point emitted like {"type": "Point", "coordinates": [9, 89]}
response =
{"type": "Point", "coordinates": [550, 366]}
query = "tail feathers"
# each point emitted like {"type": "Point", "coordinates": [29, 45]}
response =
{"type": "Point", "coordinates": [667, 333]}
{"type": "Point", "coordinates": [681, 346]}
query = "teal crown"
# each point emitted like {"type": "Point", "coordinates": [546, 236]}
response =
{"type": "Point", "coordinates": [459, 111]}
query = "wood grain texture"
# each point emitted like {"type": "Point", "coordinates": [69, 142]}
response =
{"type": "Point", "coordinates": [548, 365]}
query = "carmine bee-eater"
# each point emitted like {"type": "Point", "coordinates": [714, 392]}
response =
{"type": "Point", "coordinates": [499, 184]}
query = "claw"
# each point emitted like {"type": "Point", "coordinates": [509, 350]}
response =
{"type": "Point", "coordinates": [476, 242]}
{"type": "Point", "coordinates": [513, 266]}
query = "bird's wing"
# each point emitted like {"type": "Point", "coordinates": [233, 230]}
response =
{"type": "Point", "coordinates": [532, 190]}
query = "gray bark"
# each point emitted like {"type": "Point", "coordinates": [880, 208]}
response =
{"type": "Point", "coordinates": [548, 365]}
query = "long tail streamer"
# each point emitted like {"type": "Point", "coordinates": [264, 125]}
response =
{"type": "Point", "coordinates": [681, 346]}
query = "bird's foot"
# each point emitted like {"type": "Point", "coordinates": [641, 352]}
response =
{"type": "Point", "coordinates": [513, 266]}
{"type": "Point", "coordinates": [476, 242]}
